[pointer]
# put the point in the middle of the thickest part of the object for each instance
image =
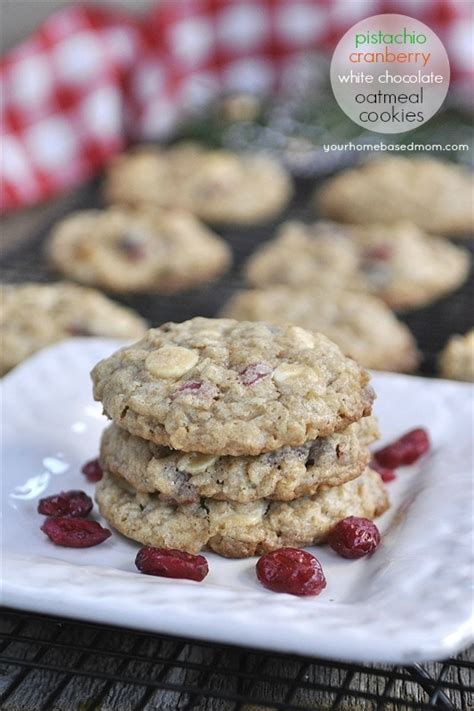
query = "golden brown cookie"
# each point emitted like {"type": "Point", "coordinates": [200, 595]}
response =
{"type": "Point", "coordinates": [33, 316]}
{"type": "Point", "coordinates": [433, 194]}
{"type": "Point", "coordinates": [457, 358]}
{"type": "Point", "coordinates": [399, 263]}
{"type": "Point", "coordinates": [237, 530]}
{"type": "Point", "coordinates": [217, 186]}
{"type": "Point", "coordinates": [127, 250]}
{"type": "Point", "coordinates": [218, 386]}
{"type": "Point", "coordinates": [282, 475]}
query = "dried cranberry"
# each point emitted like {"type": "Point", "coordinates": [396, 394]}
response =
{"type": "Point", "coordinates": [133, 248]}
{"type": "Point", "coordinates": [354, 537]}
{"type": "Point", "coordinates": [72, 504]}
{"type": "Point", "coordinates": [78, 329]}
{"type": "Point", "coordinates": [405, 450]}
{"type": "Point", "coordinates": [194, 387]}
{"type": "Point", "coordinates": [291, 570]}
{"type": "Point", "coordinates": [170, 563]}
{"type": "Point", "coordinates": [189, 387]}
{"type": "Point", "coordinates": [254, 372]}
{"type": "Point", "coordinates": [380, 253]}
{"type": "Point", "coordinates": [92, 470]}
{"type": "Point", "coordinates": [386, 474]}
{"type": "Point", "coordinates": [75, 532]}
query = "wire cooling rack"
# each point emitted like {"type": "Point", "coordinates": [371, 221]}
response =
{"type": "Point", "coordinates": [431, 326]}
{"type": "Point", "coordinates": [52, 664]}
{"type": "Point", "coordinates": [69, 666]}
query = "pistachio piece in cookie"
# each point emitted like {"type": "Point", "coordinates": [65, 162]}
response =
{"type": "Point", "coordinates": [254, 388]}
{"type": "Point", "coordinates": [196, 463]}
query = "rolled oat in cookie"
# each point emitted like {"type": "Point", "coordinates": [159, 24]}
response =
{"type": "Point", "coordinates": [224, 387]}
{"type": "Point", "coordinates": [282, 475]}
{"type": "Point", "coordinates": [237, 530]}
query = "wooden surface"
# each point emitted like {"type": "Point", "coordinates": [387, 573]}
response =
{"type": "Point", "coordinates": [31, 690]}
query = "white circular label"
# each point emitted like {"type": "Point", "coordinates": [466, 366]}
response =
{"type": "Point", "coordinates": [390, 73]}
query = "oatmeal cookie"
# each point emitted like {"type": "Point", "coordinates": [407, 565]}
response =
{"type": "Point", "coordinates": [363, 327]}
{"type": "Point", "coordinates": [399, 263]}
{"type": "Point", "coordinates": [218, 386]}
{"type": "Point", "coordinates": [457, 358]}
{"type": "Point", "coordinates": [33, 316]}
{"type": "Point", "coordinates": [217, 186]}
{"type": "Point", "coordinates": [127, 250]}
{"type": "Point", "coordinates": [283, 475]}
{"type": "Point", "coordinates": [435, 195]}
{"type": "Point", "coordinates": [237, 530]}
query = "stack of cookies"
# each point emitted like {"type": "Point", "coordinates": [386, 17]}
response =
{"type": "Point", "coordinates": [241, 437]}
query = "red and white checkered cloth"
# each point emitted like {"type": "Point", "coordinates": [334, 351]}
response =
{"type": "Point", "coordinates": [89, 78]}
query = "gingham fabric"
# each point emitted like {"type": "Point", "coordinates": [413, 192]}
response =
{"type": "Point", "coordinates": [89, 79]}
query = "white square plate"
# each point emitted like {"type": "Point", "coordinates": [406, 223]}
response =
{"type": "Point", "coordinates": [410, 601]}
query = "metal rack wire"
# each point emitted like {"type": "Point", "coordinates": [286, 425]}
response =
{"type": "Point", "coordinates": [431, 326]}
{"type": "Point", "coordinates": [69, 665]}
{"type": "Point", "coordinates": [52, 664]}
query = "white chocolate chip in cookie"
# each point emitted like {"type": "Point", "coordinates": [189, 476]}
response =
{"type": "Point", "coordinates": [243, 516]}
{"type": "Point", "coordinates": [196, 463]}
{"type": "Point", "coordinates": [210, 334]}
{"type": "Point", "coordinates": [171, 361]}
{"type": "Point", "coordinates": [290, 371]}
{"type": "Point", "coordinates": [303, 338]}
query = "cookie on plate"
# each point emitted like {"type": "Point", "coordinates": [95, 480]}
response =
{"type": "Point", "coordinates": [217, 186]}
{"type": "Point", "coordinates": [282, 475]}
{"type": "Point", "coordinates": [125, 250]}
{"type": "Point", "coordinates": [435, 195]}
{"type": "Point", "coordinates": [237, 530]}
{"type": "Point", "coordinates": [217, 386]}
{"type": "Point", "coordinates": [33, 316]}
{"type": "Point", "coordinates": [457, 358]}
{"type": "Point", "coordinates": [399, 263]}
{"type": "Point", "coordinates": [362, 325]}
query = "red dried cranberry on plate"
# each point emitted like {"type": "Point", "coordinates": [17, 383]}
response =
{"type": "Point", "coordinates": [354, 537]}
{"type": "Point", "coordinates": [171, 563]}
{"type": "Point", "coordinates": [71, 504]}
{"type": "Point", "coordinates": [92, 471]}
{"type": "Point", "coordinates": [405, 450]}
{"type": "Point", "coordinates": [291, 570]}
{"type": "Point", "coordinates": [386, 474]}
{"type": "Point", "coordinates": [75, 532]}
